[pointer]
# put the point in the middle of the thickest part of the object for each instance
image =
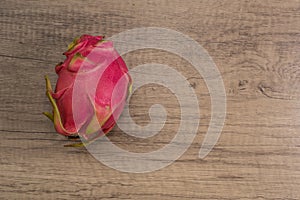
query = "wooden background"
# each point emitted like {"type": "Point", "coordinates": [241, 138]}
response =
{"type": "Point", "coordinates": [256, 46]}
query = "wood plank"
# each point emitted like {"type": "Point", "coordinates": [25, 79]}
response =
{"type": "Point", "coordinates": [255, 45]}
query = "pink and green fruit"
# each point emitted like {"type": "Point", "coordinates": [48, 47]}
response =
{"type": "Point", "coordinates": [85, 57]}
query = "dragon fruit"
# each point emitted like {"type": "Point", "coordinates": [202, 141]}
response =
{"type": "Point", "coordinates": [91, 90]}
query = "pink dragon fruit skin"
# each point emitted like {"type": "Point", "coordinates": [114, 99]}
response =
{"type": "Point", "coordinates": [89, 53]}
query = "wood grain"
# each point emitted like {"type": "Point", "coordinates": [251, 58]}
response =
{"type": "Point", "coordinates": [256, 46]}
